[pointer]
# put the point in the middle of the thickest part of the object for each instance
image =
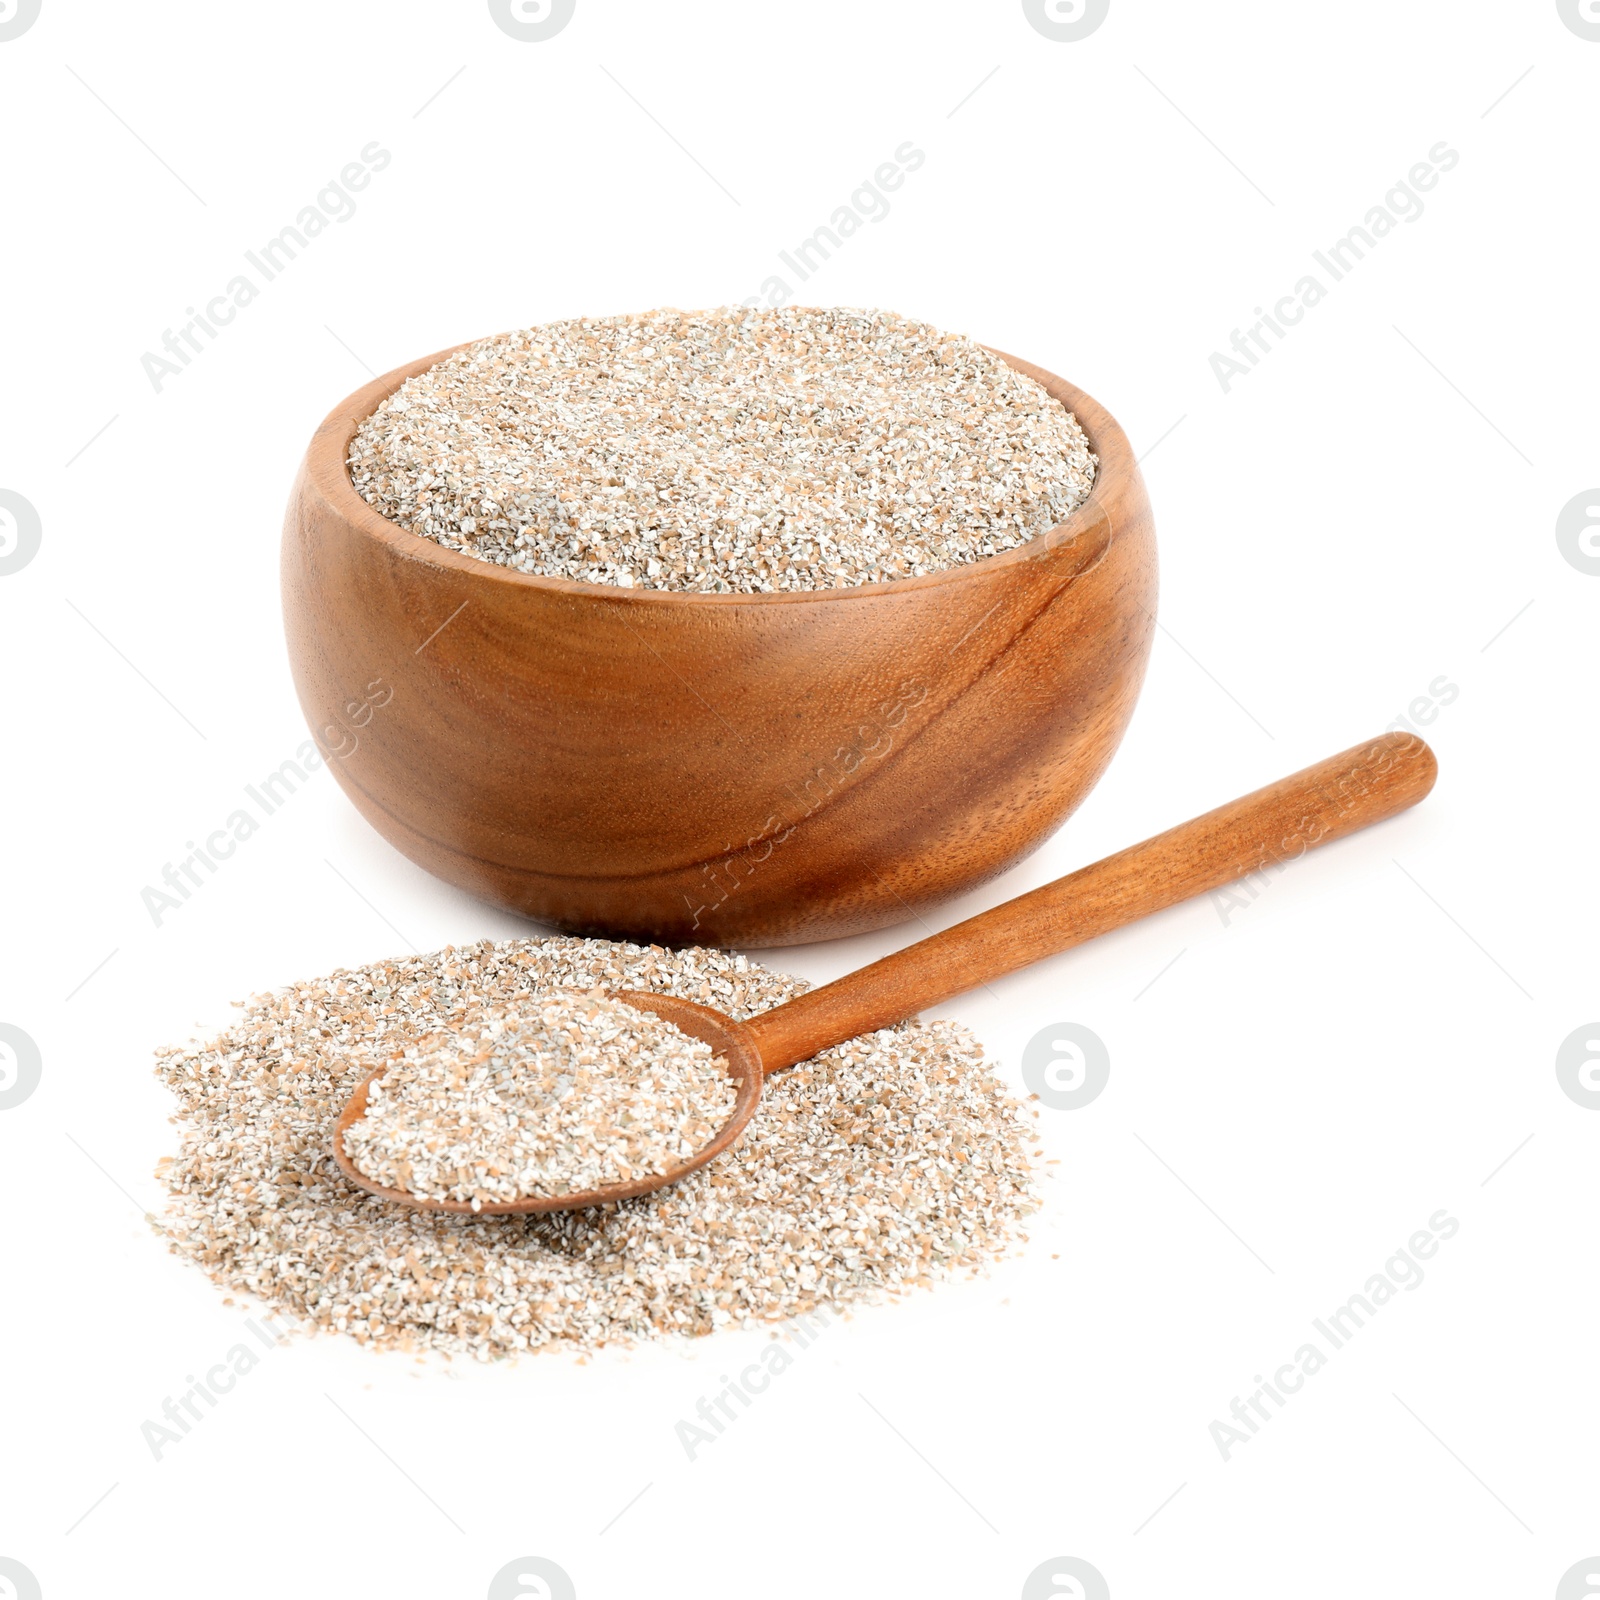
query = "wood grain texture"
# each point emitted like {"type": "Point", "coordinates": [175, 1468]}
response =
{"type": "Point", "coordinates": [742, 770]}
{"type": "Point", "coordinates": [1262, 832]}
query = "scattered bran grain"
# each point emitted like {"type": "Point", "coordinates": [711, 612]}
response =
{"type": "Point", "coordinates": [889, 1162]}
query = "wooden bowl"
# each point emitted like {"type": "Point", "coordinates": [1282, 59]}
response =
{"type": "Point", "coordinates": [740, 770]}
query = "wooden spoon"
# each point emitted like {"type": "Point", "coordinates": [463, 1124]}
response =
{"type": "Point", "coordinates": [1261, 832]}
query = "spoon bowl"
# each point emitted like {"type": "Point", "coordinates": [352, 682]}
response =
{"type": "Point", "coordinates": [729, 1040]}
{"type": "Point", "coordinates": [1262, 832]}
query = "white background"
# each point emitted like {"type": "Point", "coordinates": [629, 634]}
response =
{"type": "Point", "coordinates": [1292, 1094]}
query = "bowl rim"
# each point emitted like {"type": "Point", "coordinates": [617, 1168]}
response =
{"type": "Point", "coordinates": [327, 469]}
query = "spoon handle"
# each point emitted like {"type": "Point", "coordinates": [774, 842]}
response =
{"type": "Point", "coordinates": [1260, 833]}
